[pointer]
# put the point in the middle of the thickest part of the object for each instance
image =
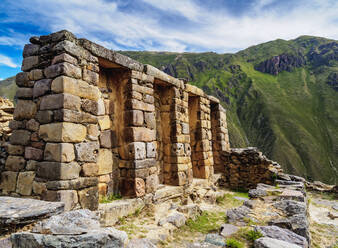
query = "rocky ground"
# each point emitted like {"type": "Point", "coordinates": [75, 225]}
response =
{"type": "Point", "coordinates": [283, 215]}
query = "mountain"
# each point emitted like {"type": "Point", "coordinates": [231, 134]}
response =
{"type": "Point", "coordinates": [281, 96]}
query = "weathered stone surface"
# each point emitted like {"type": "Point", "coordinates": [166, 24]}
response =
{"type": "Point", "coordinates": [87, 152]}
{"type": "Point", "coordinates": [79, 183]}
{"type": "Point", "coordinates": [94, 107]}
{"type": "Point", "coordinates": [31, 165]}
{"type": "Point", "coordinates": [137, 150]}
{"type": "Point", "coordinates": [140, 187]}
{"type": "Point", "coordinates": [59, 152]}
{"type": "Point", "coordinates": [106, 139]}
{"type": "Point", "coordinates": [63, 132]}
{"type": "Point", "coordinates": [64, 57]}
{"type": "Point", "coordinates": [93, 132]}
{"type": "Point", "coordinates": [286, 235]}
{"type": "Point", "coordinates": [74, 116]}
{"type": "Point", "coordinates": [63, 100]}
{"type": "Point", "coordinates": [75, 87]}
{"type": "Point", "coordinates": [21, 211]}
{"type": "Point", "coordinates": [104, 122]}
{"type": "Point", "coordinates": [177, 219]}
{"type": "Point", "coordinates": [68, 197]}
{"type": "Point", "coordinates": [25, 109]}
{"type": "Point", "coordinates": [90, 169]}
{"type": "Point", "coordinates": [215, 239]}
{"type": "Point", "coordinates": [152, 183]}
{"type": "Point", "coordinates": [273, 243]}
{"type": "Point", "coordinates": [41, 87]}
{"type": "Point", "coordinates": [30, 50]}
{"type": "Point", "coordinates": [140, 134]}
{"type": "Point", "coordinates": [15, 149]}
{"type": "Point", "coordinates": [15, 163]}
{"type": "Point", "coordinates": [133, 118]}
{"type": "Point", "coordinates": [32, 125]}
{"type": "Point", "coordinates": [89, 198]}
{"type": "Point", "coordinates": [145, 163]}
{"type": "Point", "coordinates": [22, 80]}
{"type": "Point", "coordinates": [227, 229]}
{"type": "Point", "coordinates": [256, 193]}
{"type": "Point", "coordinates": [112, 212]}
{"type": "Point", "coordinates": [291, 207]}
{"type": "Point", "coordinates": [25, 182]}
{"type": "Point", "coordinates": [24, 93]}
{"type": "Point", "coordinates": [105, 161]}
{"type": "Point", "coordinates": [39, 188]}
{"type": "Point", "coordinates": [64, 68]}
{"type": "Point", "coordinates": [20, 137]}
{"type": "Point", "coordinates": [8, 181]}
{"type": "Point", "coordinates": [44, 117]}
{"type": "Point", "coordinates": [140, 243]}
{"type": "Point", "coordinates": [238, 214]}
{"type": "Point", "coordinates": [168, 192]}
{"type": "Point", "coordinates": [33, 153]}
{"type": "Point", "coordinates": [57, 170]}
{"type": "Point", "coordinates": [29, 63]}
{"type": "Point", "coordinates": [151, 150]}
{"type": "Point", "coordinates": [90, 77]}
{"type": "Point", "coordinates": [36, 74]}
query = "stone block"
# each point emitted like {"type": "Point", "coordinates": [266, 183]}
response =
{"type": "Point", "coordinates": [68, 197]}
{"type": "Point", "coordinates": [106, 139]}
{"type": "Point", "coordinates": [104, 122]}
{"type": "Point", "coordinates": [94, 107]}
{"type": "Point", "coordinates": [36, 74]}
{"type": "Point", "coordinates": [74, 116]}
{"type": "Point", "coordinates": [150, 120]}
{"type": "Point", "coordinates": [63, 68]}
{"type": "Point", "coordinates": [8, 181]}
{"type": "Point", "coordinates": [89, 198]}
{"type": "Point", "coordinates": [41, 87]}
{"type": "Point", "coordinates": [75, 87]}
{"type": "Point", "coordinates": [87, 152]}
{"type": "Point", "coordinates": [137, 150]}
{"type": "Point", "coordinates": [105, 161]}
{"type": "Point", "coordinates": [58, 101]}
{"type": "Point", "coordinates": [90, 169]}
{"type": "Point", "coordinates": [31, 165]}
{"type": "Point", "coordinates": [39, 188]}
{"type": "Point", "coordinates": [133, 118]}
{"type": "Point", "coordinates": [24, 93]}
{"type": "Point", "coordinates": [32, 125]}
{"type": "Point", "coordinates": [151, 150]}
{"type": "Point", "coordinates": [22, 80]}
{"type": "Point", "coordinates": [30, 62]}
{"type": "Point", "coordinates": [79, 183]}
{"type": "Point", "coordinates": [44, 117]}
{"type": "Point", "coordinates": [185, 128]}
{"type": "Point", "coordinates": [25, 109]}
{"type": "Point", "coordinates": [59, 152]}
{"type": "Point", "coordinates": [90, 77]}
{"type": "Point", "coordinates": [93, 132]}
{"type": "Point", "coordinates": [145, 163]}
{"type": "Point", "coordinates": [25, 183]}
{"type": "Point", "coordinates": [13, 124]}
{"type": "Point", "coordinates": [30, 50]}
{"type": "Point", "coordinates": [139, 134]}
{"type": "Point", "coordinates": [152, 183]}
{"type": "Point", "coordinates": [133, 104]}
{"type": "Point", "coordinates": [63, 132]}
{"type": "Point", "coordinates": [64, 57]}
{"type": "Point", "coordinates": [139, 187]}
{"type": "Point", "coordinates": [15, 163]}
{"type": "Point", "coordinates": [15, 149]}
{"type": "Point", "coordinates": [58, 170]}
{"type": "Point", "coordinates": [102, 188]}
{"type": "Point", "coordinates": [32, 153]}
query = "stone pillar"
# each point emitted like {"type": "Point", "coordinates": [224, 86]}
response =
{"type": "Point", "coordinates": [220, 137]}
{"type": "Point", "coordinates": [140, 176]}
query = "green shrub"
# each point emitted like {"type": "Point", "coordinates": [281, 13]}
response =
{"type": "Point", "coordinates": [253, 235]}
{"type": "Point", "coordinates": [233, 243]}
{"type": "Point", "coordinates": [110, 198]}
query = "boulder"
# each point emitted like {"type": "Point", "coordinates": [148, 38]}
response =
{"type": "Point", "coordinates": [140, 243]}
{"type": "Point", "coordinates": [273, 243]}
{"type": "Point", "coordinates": [290, 207]}
{"type": "Point", "coordinates": [238, 214]}
{"type": "Point", "coordinates": [215, 239]}
{"type": "Point", "coordinates": [286, 235]}
{"type": "Point", "coordinates": [227, 230]}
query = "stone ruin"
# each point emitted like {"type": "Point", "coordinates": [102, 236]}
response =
{"type": "Point", "coordinates": [90, 122]}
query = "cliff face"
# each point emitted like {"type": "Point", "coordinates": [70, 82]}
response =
{"type": "Point", "coordinates": [277, 64]}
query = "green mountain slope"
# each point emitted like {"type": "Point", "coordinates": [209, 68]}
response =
{"type": "Point", "coordinates": [281, 96]}
{"type": "Point", "coordinates": [8, 88]}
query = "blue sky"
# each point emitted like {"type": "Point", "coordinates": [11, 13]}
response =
{"type": "Point", "coordinates": [163, 25]}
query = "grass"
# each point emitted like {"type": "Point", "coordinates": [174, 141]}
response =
{"type": "Point", "coordinates": [252, 235]}
{"type": "Point", "coordinates": [233, 243]}
{"type": "Point", "coordinates": [228, 200]}
{"type": "Point", "coordinates": [205, 223]}
{"type": "Point", "coordinates": [110, 198]}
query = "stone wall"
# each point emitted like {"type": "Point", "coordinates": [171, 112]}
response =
{"type": "Point", "coordinates": [91, 122]}
{"type": "Point", "coordinates": [246, 167]}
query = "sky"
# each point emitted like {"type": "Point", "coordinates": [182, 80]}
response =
{"type": "Point", "coordinates": [222, 26]}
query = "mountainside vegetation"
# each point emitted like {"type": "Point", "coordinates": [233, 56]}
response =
{"type": "Point", "coordinates": [280, 96]}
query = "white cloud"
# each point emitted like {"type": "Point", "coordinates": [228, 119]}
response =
{"type": "Point", "coordinates": [215, 30]}
{"type": "Point", "coordinates": [4, 60]}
